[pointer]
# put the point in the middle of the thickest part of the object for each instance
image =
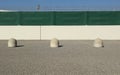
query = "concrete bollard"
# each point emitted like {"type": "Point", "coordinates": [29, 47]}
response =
{"type": "Point", "coordinates": [12, 42]}
{"type": "Point", "coordinates": [54, 43]}
{"type": "Point", "coordinates": [98, 43]}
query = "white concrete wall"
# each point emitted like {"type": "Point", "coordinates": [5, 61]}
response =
{"type": "Point", "coordinates": [60, 32]}
{"type": "Point", "coordinates": [81, 32]}
{"type": "Point", "coordinates": [20, 32]}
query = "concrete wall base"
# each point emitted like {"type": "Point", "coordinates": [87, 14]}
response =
{"type": "Point", "coordinates": [61, 32]}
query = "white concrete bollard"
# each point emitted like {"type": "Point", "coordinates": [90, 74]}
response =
{"type": "Point", "coordinates": [12, 42]}
{"type": "Point", "coordinates": [98, 43]}
{"type": "Point", "coordinates": [54, 43]}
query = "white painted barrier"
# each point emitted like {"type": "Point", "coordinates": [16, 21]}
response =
{"type": "Point", "coordinates": [12, 42]}
{"type": "Point", "coordinates": [54, 43]}
{"type": "Point", "coordinates": [98, 43]}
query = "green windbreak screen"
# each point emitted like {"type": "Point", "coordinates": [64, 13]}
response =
{"type": "Point", "coordinates": [9, 18]}
{"type": "Point", "coordinates": [70, 18]}
{"type": "Point", "coordinates": [36, 18]}
{"type": "Point", "coordinates": [103, 18]}
{"type": "Point", "coordinates": [61, 18]}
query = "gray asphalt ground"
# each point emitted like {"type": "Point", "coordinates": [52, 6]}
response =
{"type": "Point", "coordinates": [72, 58]}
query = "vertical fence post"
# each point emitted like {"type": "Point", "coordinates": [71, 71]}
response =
{"type": "Point", "coordinates": [18, 18]}
{"type": "Point", "coordinates": [86, 18]}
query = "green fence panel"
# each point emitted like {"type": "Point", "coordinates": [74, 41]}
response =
{"type": "Point", "coordinates": [70, 18]}
{"type": "Point", "coordinates": [36, 18]}
{"type": "Point", "coordinates": [61, 18]}
{"type": "Point", "coordinates": [103, 18]}
{"type": "Point", "coordinates": [9, 18]}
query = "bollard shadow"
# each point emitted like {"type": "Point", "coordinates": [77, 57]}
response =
{"type": "Point", "coordinates": [60, 46]}
{"type": "Point", "coordinates": [103, 46]}
{"type": "Point", "coordinates": [20, 46]}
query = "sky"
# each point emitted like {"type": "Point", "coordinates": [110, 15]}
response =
{"type": "Point", "coordinates": [60, 5]}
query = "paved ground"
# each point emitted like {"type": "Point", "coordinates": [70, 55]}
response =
{"type": "Point", "coordinates": [74, 58]}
